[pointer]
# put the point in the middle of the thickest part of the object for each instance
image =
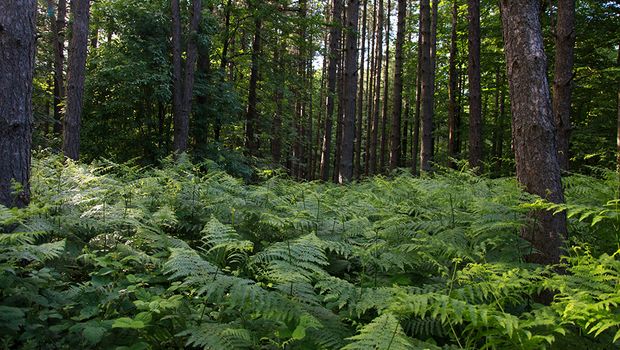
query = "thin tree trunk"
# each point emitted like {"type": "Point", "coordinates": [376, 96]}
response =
{"type": "Point", "coordinates": [251, 119]}
{"type": "Point", "coordinates": [350, 85]}
{"type": "Point", "coordinates": [417, 120]}
{"type": "Point", "coordinates": [536, 156]}
{"type": "Point", "coordinates": [386, 78]}
{"type": "Point", "coordinates": [340, 113]}
{"type": "Point", "coordinates": [426, 89]}
{"type": "Point", "coordinates": [276, 137]}
{"type": "Point", "coordinates": [357, 170]}
{"type": "Point", "coordinates": [499, 155]}
{"type": "Point", "coordinates": [452, 87]}
{"type": "Point", "coordinates": [17, 48]}
{"type": "Point", "coordinates": [372, 74]}
{"type": "Point", "coordinates": [217, 128]}
{"type": "Point", "coordinates": [434, 15]}
{"type": "Point", "coordinates": [75, 78]}
{"type": "Point", "coordinates": [334, 41]}
{"type": "Point", "coordinates": [177, 78]}
{"type": "Point", "coordinates": [473, 71]}
{"type": "Point", "coordinates": [319, 126]}
{"type": "Point", "coordinates": [563, 77]}
{"type": "Point", "coordinates": [395, 147]}
{"type": "Point", "coordinates": [377, 104]}
{"type": "Point", "coordinates": [181, 128]}
{"type": "Point", "coordinates": [58, 36]}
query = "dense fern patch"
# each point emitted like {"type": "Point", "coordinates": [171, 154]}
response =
{"type": "Point", "coordinates": [115, 256]}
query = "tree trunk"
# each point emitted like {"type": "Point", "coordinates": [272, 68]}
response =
{"type": "Point", "coordinates": [334, 42]}
{"type": "Point", "coordinates": [372, 74]}
{"type": "Point", "coordinates": [434, 11]}
{"type": "Point", "coordinates": [386, 85]}
{"type": "Point", "coordinates": [426, 89]}
{"type": "Point", "coordinates": [563, 77]}
{"type": "Point", "coordinates": [395, 147]}
{"type": "Point", "coordinates": [251, 119]}
{"type": "Point", "coordinates": [181, 128]}
{"type": "Point", "coordinates": [350, 91]}
{"type": "Point", "coordinates": [452, 87]}
{"type": "Point", "coordinates": [177, 78]}
{"type": "Point", "coordinates": [473, 72]}
{"type": "Point", "coordinates": [58, 36]}
{"type": "Point", "coordinates": [17, 50]}
{"type": "Point", "coordinates": [536, 156]}
{"type": "Point", "coordinates": [360, 100]}
{"type": "Point", "coordinates": [418, 92]}
{"type": "Point", "coordinates": [75, 78]}
{"type": "Point", "coordinates": [340, 113]}
{"type": "Point", "coordinates": [276, 137]}
{"type": "Point", "coordinates": [217, 128]}
{"type": "Point", "coordinates": [377, 104]}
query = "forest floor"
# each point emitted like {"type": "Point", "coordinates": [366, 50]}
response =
{"type": "Point", "coordinates": [116, 256]}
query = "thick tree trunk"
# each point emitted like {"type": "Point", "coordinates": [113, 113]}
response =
{"type": "Point", "coordinates": [473, 72]}
{"type": "Point", "coordinates": [350, 92]}
{"type": "Point", "coordinates": [426, 88]}
{"type": "Point", "coordinates": [538, 169]}
{"type": "Point", "coordinates": [360, 100]}
{"type": "Point", "coordinates": [177, 73]}
{"type": "Point", "coordinates": [563, 77]}
{"type": "Point", "coordinates": [377, 104]}
{"type": "Point", "coordinates": [334, 57]}
{"type": "Point", "coordinates": [58, 36]}
{"type": "Point", "coordinates": [395, 147]}
{"type": "Point", "coordinates": [75, 78]}
{"type": "Point", "coordinates": [251, 118]}
{"type": "Point", "coordinates": [17, 50]}
{"type": "Point", "coordinates": [386, 87]}
{"type": "Point", "coordinates": [452, 87]}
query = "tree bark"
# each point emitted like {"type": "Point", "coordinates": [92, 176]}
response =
{"type": "Point", "coordinates": [452, 87]}
{"type": "Point", "coordinates": [217, 128]}
{"type": "Point", "coordinates": [563, 77]}
{"type": "Point", "coordinates": [375, 120]}
{"type": "Point", "coordinates": [17, 50]}
{"type": "Point", "coordinates": [473, 72]}
{"type": "Point", "coordinates": [538, 170]}
{"type": "Point", "coordinates": [75, 78]}
{"type": "Point", "coordinates": [418, 92]}
{"type": "Point", "coordinates": [426, 89]}
{"type": "Point", "coordinates": [334, 41]}
{"type": "Point", "coordinates": [58, 37]}
{"type": "Point", "coordinates": [395, 147]}
{"type": "Point", "coordinates": [350, 83]}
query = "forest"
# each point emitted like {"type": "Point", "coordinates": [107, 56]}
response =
{"type": "Point", "coordinates": [309, 174]}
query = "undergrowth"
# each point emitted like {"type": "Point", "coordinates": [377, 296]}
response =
{"type": "Point", "coordinates": [115, 256]}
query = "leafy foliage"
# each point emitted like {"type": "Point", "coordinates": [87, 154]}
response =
{"type": "Point", "coordinates": [120, 256]}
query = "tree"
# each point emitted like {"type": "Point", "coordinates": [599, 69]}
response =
{"type": "Point", "coordinates": [395, 150]}
{"type": "Point", "coordinates": [375, 119]}
{"type": "Point", "coordinates": [183, 84]}
{"type": "Point", "coordinates": [58, 38]}
{"type": "Point", "coordinates": [334, 41]}
{"type": "Point", "coordinates": [251, 117]}
{"type": "Point", "coordinates": [538, 169]}
{"type": "Point", "coordinates": [426, 89]}
{"type": "Point", "coordinates": [360, 100]}
{"type": "Point", "coordinates": [350, 81]}
{"type": "Point", "coordinates": [452, 86]}
{"type": "Point", "coordinates": [563, 77]}
{"type": "Point", "coordinates": [386, 87]}
{"type": "Point", "coordinates": [17, 45]}
{"type": "Point", "coordinates": [473, 73]}
{"type": "Point", "coordinates": [76, 75]}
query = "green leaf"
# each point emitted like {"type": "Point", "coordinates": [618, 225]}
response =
{"type": "Point", "coordinates": [126, 322]}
